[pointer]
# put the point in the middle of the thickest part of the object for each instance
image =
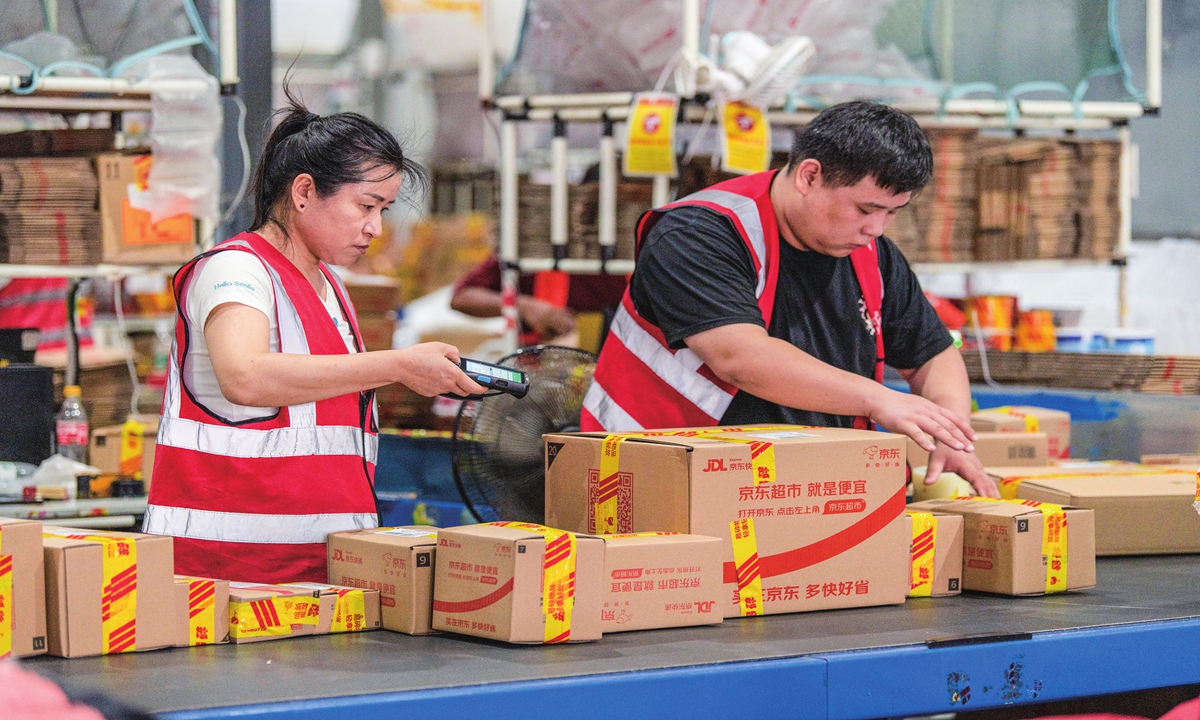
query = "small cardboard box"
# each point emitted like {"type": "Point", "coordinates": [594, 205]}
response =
{"type": "Point", "coordinates": [104, 451]}
{"type": "Point", "coordinates": [1143, 511]}
{"type": "Point", "coordinates": [937, 553]}
{"type": "Point", "coordinates": [1004, 541]}
{"type": "Point", "coordinates": [128, 236]}
{"type": "Point", "coordinates": [201, 611]}
{"type": "Point", "coordinates": [377, 330]}
{"type": "Point", "coordinates": [22, 589]}
{"type": "Point", "coordinates": [397, 562]}
{"type": "Point", "coordinates": [660, 580]}
{"type": "Point", "coordinates": [354, 609]}
{"type": "Point", "coordinates": [1022, 418]}
{"type": "Point", "coordinates": [271, 612]}
{"type": "Point", "coordinates": [373, 293]}
{"type": "Point", "coordinates": [490, 581]}
{"type": "Point", "coordinates": [1179, 459]}
{"type": "Point", "coordinates": [132, 572]}
{"type": "Point", "coordinates": [827, 527]}
{"type": "Point", "coordinates": [997, 448]}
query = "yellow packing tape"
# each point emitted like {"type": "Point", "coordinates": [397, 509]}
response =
{"type": "Point", "coordinates": [350, 614]}
{"type": "Point", "coordinates": [202, 612]}
{"type": "Point", "coordinates": [6, 608]}
{"type": "Point", "coordinates": [272, 616]}
{"type": "Point", "coordinates": [1009, 486]}
{"type": "Point", "coordinates": [924, 545]}
{"type": "Point", "coordinates": [558, 578]}
{"type": "Point", "coordinates": [1054, 540]}
{"type": "Point", "coordinates": [118, 614]}
{"type": "Point", "coordinates": [1196, 504]}
{"type": "Point", "coordinates": [762, 457]}
{"type": "Point", "coordinates": [605, 508]}
{"type": "Point", "coordinates": [745, 560]}
{"type": "Point", "coordinates": [1031, 423]}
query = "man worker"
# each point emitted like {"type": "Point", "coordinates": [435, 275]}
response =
{"type": "Point", "coordinates": [772, 298]}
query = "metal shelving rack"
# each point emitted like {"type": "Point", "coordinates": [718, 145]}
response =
{"type": "Point", "coordinates": [28, 93]}
{"type": "Point", "coordinates": [610, 108]}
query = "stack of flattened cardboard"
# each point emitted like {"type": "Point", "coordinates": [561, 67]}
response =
{"type": "Point", "coordinates": [1161, 374]}
{"type": "Point", "coordinates": [633, 199]}
{"type": "Point", "coordinates": [104, 378]}
{"type": "Point", "coordinates": [938, 225]}
{"type": "Point", "coordinates": [48, 212]}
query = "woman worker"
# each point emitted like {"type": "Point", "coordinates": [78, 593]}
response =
{"type": "Point", "coordinates": [268, 437]}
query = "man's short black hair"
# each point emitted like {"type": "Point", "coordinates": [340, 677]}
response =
{"type": "Point", "coordinates": [855, 139]}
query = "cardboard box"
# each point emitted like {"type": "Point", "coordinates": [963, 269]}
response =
{"type": "Point", "coordinates": [1004, 541]}
{"type": "Point", "coordinates": [373, 293]}
{"type": "Point", "coordinates": [828, 530]}
{"type": "Point", "coordinates": [104, 451]}
{"type": "Point", "coordinates": [1181, 459]}
{"type": "Point", "coordinates": [377, 330]}
{"type": "Point", "coordinates": [997, 448]}
{"type": "Point", "coordinates": [490, 581]}
{"type": "Point", "coordinates": [134, 572]}
{"type": "Point", "coordinates": [271, 612]}
{"type": "Point", "coordinates": [354, 609]}
{"type": "Point", "coordinates": [1143, 510]}
{"type": "Point", "coordinates": [397, 562]}
{"type": "Point", "coordinates": [1022, 418]}
{"type": "Point", "coordinates": [937, 554]}
{"type": "Point", "coordinates": [201, 611]}
{"type": "Point", "coordinates": [22, 589]}
{"type": "Point", "coordinates": [128, 235]}
{"type": "Point", "coordinates": [660, 580]}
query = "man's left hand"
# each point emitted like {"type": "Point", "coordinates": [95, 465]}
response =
{"type": "Point", "coordinates": [966, 465]}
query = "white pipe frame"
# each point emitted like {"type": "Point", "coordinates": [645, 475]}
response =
{"type": "Point", "coordinates": [1154, 53]}
{"type": "Point", "coordinates": [227, 22]}
{"type": "Point", "coordinates": [607, 203]}
{"type": "Point", "coordinates": [558, 189]}
{"type": "Point", "coordinates": [509, 253]}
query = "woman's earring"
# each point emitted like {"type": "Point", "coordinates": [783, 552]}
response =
{"type": "Point", "coordinates": [301, 206]}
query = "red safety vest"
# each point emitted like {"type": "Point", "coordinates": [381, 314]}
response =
{"type": "Point", "coordinates": [254, 500]}
{"type": "Point", "coordinates": [41, 303]}
{"type": "Point", "coordinates": [641, 383]}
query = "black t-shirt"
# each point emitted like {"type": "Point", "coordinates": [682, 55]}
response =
{"type": "Point", "coordinates": [695, 273]}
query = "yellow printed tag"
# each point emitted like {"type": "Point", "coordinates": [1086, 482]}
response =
{"type": "Point", "coordinates": [650, 146]}
{"type": "Point", "coordinates": [746, 139]}
{"type": "Point", "coordinates": [6, 606]}
{"type": "Point", "coordinates": [745, 560]}
{"type": "Point", "coordinates": [350, 614]}
{"type": "Point", "coordinates": [558, 578]}
{"type": "Point", "coordinates": [131, 448]}
{"type": "Point", "coordinates": [273, 616]}
{"type": "Point", "coordinates": [604, 511]}
{"type": "Point", "coordinates": [118, 611]}
{"type": "Point", "coordinates": [1054, 540]}
{"type": "Point", "coordinates": [924, 544]}
{"type": "Point", "coordinates": [202, 612]}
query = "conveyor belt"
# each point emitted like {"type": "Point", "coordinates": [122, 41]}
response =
{"type": "Point", "coordinates": [1134, 605]}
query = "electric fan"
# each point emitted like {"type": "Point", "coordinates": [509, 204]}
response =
{"type": "Point", "coordinates": [496, 450]}
{"type": "Point", "coordinates": [752, 71]}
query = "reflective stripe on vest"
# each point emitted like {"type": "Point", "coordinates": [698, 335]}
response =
{"type": "Point", "coordinates": [251, 527]}
{"type": "Point", "coordinates": [641, 383]}
{"type": "Point", "coordinates": [277, 443]}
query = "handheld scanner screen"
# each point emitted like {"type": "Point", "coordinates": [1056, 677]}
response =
{"type": "Point", "coordinates": [495, 377]}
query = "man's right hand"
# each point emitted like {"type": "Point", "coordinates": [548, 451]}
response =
{"type": "Point", "coordinates": [550, 320]}
{"type": "Point", "coordinates": [922, 420]}
{"type": "Point", "coordinates": [432, 369]}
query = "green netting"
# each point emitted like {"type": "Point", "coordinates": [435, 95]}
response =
{"type": "Point", "coordinates": [96, 38]}
{"type": "Point", "coordinates": [891, 49]}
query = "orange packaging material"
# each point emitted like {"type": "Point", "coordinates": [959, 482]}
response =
{"type": "Point", "coordinates": [809, 518]}
{"type": "Point", "coordinates": [937, 553]}
{"type": "Point", "coordinates": [108, 592]}
{"type": "Point", "coordinates": [997, 448]}
{"type": "Point", "coordinates": [128, 236]}
{"type": "Point", "coordinates": [660, 580]}
{"type": "Point", "coordinates": [996, 315]}
{"type": "Point", "coordinates": [22, 589]}
{"type": "Point", "coordinates": [519, 583]}
{"type": "Point", "coordinates": [1022, 547]}
{"type": "Point", "coordinates": [397, 562]}
{"type": "Point", "coordinates": [272, 612]}
{"type": "Point", "coordinates": [1140, 509]}
{"type": "Point", "coordinates": [201, 611]}
{"type": "Point", "coordinates": [1023, 418]}
{"type": "Point", "coordinates": [1036, 331]}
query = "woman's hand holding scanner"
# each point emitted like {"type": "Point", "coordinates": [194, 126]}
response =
{"type": "Point", "coordinates": [432, 369]}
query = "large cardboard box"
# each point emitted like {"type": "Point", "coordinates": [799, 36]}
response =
{"type": "Point", "coordinates": [1140, 510]}
{"type": "Point", "coordinates": [354, 609]}
{"type": "Point", "coordinates": [1022, 418]}
{"type": "Point", "coordinates": [128, 235]}
{"type": "Point", "coordinates": [128, 577]}
{"type": "Point", "coordinates": [104, 451]}
{"type": "Point", "coordinates": [821, 509]}
{"type": "Point", "coordinates": [937, 553]}
{"type": "Point", "coordinates": [398, 563]}
{"type": "Point", "coordinates": [22, 589]}
{"type": "Point", "coordinates": [201, 611]}
{"type": "Point", "coordinates": [512, 582]}
{"type": "Point", "coordinates": [1009, 549]}
{"type": "Point", "coordinates": [660, 580]}
{"type": "Point", "coordinates": [260, 612]}
{"type": "Point", "coordinates": [997, 448]}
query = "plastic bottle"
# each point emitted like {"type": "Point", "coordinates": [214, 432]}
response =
{"type": "Point", "coordinates": [71, 427]}
{"type": "Point", "coordinates": [14, 476]}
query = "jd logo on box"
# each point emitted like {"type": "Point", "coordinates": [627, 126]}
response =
{"type": "Point", "coordinates": [715, 465]}
{"type": "Point", "coordinates": [705, 606]}
{"type": "Point", "coordinates": [337, 555]}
